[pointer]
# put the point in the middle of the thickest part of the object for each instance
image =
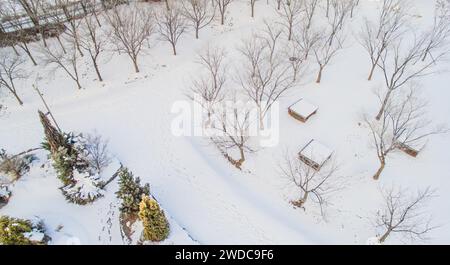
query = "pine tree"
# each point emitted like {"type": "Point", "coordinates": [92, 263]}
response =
{"type": "Point", "coordinates": [55, 139]}
{"type": "Point", "coordinates": [61, 148]}
{"type": "Point", "coordinates": [156, 226]}
{"type": "Point", "coordinates": [130, 192]}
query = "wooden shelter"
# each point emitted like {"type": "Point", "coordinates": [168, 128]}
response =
{"type": "Point", "coordinates": [315, 154]}
{"type": "Point", "coordinates": [302, 110]}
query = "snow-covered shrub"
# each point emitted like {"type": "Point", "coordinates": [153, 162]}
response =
{"type": "Point", "coordinates": [15, 231]}
{"type": "Point", "coordinates": [85, 190]}
{"type": "Point", "coordinates": [156, 226]}
{"type": "Point", "coordinates": [130, 192]}
{"type": "Point", "coordinates": [15, 166]}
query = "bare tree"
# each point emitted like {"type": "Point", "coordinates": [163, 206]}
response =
{"type": "Point", "coordinates": [68, 62]}
{"type": "Point", "coordinates": [403, 126]}
{"type": "Point", "coordinates": [89, 8]}
{"type": "Point", "coordinates": [310, 183]}
{"type": "Point", "coordinates": [92, 42]}
{"type": "Point", "coordinates": [52, 15]}
{"type": "Point", "coordinates": [376, 37]}
{"type": "Point", "coordinates": [208, 90]}
{"type": "Point", "coordinates": [354, 4]}
{"type": "Point", "coordinates": [401, 65]}
{"type": "Point", "coordinates": [310, 7]}
{"type": "Point", "coordinates": [222, 5]}
{"type": "Point", "coordinates": [131, 28]}
{"type": "Point", "coordinates": [200, 13]}
{"type": "Point", "coordinates": [20, 37]}
{"type": "Point", "coordinates": [171, 25]}
{"type": "Point", "coordinates": [33, 8]}
{"type": "Point", "coordinates": [72, 19]}
{"type": "Point", "coordinates": [10, 71]}
{"type": "Point", "coordinates": [439, 34]}
{"type": "Point", "coordinates": [324, 52]}
{"type": "Point", "coordinates": [404, 214]}
{"type": "Point", "coordinates": [279, 4]}
{"type": "Point", "coordinates": [234, 126]}
{"type": "Point", "coordinates": [265, 74]}
{"type": "Point", "coordinates": [290, 14]}
{"type": "Point", "coordinates": [306, 38]}
{"type": "Point", "coordinates": [327, 8]}
{"type": "Point", "coordinates": [337, 18]}
{"type": "Point", "coordinates": [252, 7]}
{"type": "Point", "coordinates": [97, 152]}
{"type": "Point", "coordinates": [296, 54]}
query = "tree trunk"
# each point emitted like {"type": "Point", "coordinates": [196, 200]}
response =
{"type": "Point", "coordinates": [96, 69]}
{"type": "Point", "coordinates": [96, 18]}
{"type": "Point", "coordinates": [17, 97]}
{"type": "Point", "coordinates": [290, 33]}
{"type": "Point", "coordinates": [78, 46]}
{"type": "Point", "coordinates": [60, 44]}
{"type": "Point", "coordinates": [196, 32]}
{"type": "Point", "coordinates": [377, 175]}
{"type": "Point", "coordinates": [299, 203]}
{"type": "Point", "coordinates": [136, 67]}
{"type": "Point", "coordinates": [15, 50]}
{"type": "Point", "coordinates": [319, 76]}
{"type": "Point", "coordinates": [253, 10]}
{"type": "Point", "coordinates": [222, 19]}
{"type": "Point", "coordinates": [25, 48]}
{"type": "Point", "coordinates": [383, 106]}
{"type": "Point", "coordinates": [384, 236]}
{"type": "Point", "coordinates": [328, 8]}
{"type": "Point", "coordinates": [174, 49]}
{"type": "Point", "coordinates": [78, 84]}
{"type": "Point", "coordinates": [425, 55]}
{"type": "Point", "coordinates": [44, 41]}
{"type": "Point", "coordinates": [371, 71]}
{"type": "Point", "coordinates": [242, 159]}
{"type": "Point", "coordinates": [167, 4]}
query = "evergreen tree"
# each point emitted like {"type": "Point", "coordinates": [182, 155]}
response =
{"type": "Point", "coordinates": [61, 150]}
{"type": "Point", "coordinates": [156, 226]}
{"type": "Point", "coordinates": [13, 231]}
{"type": "Point", "coordinates": [130, 192]}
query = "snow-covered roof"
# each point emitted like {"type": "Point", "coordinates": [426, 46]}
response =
{"type": "Point", "coordinates": [316, 152]}
{"type": "Point", "coordinates": [303, 108]}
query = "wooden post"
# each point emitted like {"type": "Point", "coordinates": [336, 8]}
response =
{"type": "Point", "coordinates": [46, 106]}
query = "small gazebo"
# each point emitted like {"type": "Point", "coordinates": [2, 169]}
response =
{"type": "Point", "coordinates": [315, 154]}
{"type": "Point", "coordinates": [302, 110]}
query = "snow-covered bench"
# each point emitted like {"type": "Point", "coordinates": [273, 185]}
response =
{"type": "Point", "coordinates": [302, 110]}
{"type": "Point", "coordinates": [315, 154]}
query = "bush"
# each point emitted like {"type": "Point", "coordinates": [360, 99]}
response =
{"type": "Point", "coordinates": [156, 226]}
{"type": "Point", "coordinates": [15, 231]}
{"type": "Point", "coordinates": [63, 164]}
{"type": "Point", "coordinates": [130, 192]}
{"type": "Point", "coordinates": [85, 190]}
{"type": "Point", "coordinates": [15, 166]}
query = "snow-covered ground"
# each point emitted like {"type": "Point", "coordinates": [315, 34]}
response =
{"type": "Point", "coordinates": [209, 201]}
